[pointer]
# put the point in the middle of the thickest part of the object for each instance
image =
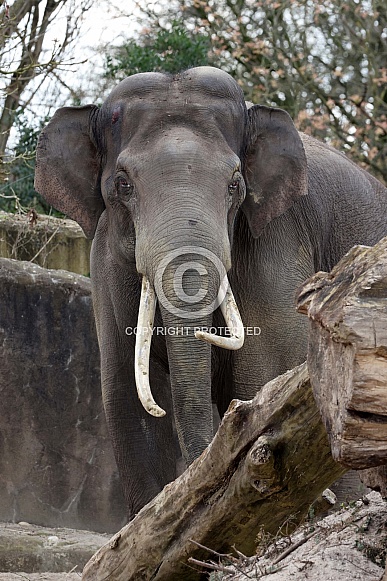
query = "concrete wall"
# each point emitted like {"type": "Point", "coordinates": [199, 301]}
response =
{"type": "Point", "coordinates": [49, 242]}
{"type": "Point", "coordinates": [56, 462]}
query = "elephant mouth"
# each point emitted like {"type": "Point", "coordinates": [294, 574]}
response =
{"type": "Point", "coordinates": [233, 341]}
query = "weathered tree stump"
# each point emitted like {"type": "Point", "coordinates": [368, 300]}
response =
{"type": "Point", "coordinates": [347, 358]}
{"type": "Point", "coordinates": [268, 462]}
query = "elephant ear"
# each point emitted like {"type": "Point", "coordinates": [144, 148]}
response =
{"type": "Point", "coordinates": [67, 166]}
{"type": "Point", "coordinates": [275, 166]}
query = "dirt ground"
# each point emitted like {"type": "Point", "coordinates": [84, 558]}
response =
{"type": "Point", "coordinates": [349, 545]}
{"type": "Point", "coordinates": [32, 553]}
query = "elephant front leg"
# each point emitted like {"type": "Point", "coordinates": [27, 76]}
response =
{"type": "Point", "coordinates": [144, 446]}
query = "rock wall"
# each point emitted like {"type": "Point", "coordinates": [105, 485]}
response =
{"type": "Point", "coordinates": [47, 241]}
{"type": "Point", "coordinates": [56, 462]}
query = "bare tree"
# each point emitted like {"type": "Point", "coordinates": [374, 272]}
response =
{"type": "Point", "coordinates": [24, 56]}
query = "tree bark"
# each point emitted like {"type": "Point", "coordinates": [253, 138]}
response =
{"type": "Point", "coordinates": [347, 357]}
{"type": "Point", "coordinates": [268, 462]}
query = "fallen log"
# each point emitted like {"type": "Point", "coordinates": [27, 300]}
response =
{"type": "Point", "coordinates": [268, 462]}
{"type": "Point", "coordinates": [347, 357]}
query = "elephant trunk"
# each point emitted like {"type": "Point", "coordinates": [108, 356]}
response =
{"type": "Point", "coordinates": [190, 376]}
{"type": "Point", "coordinates": [185, 267]}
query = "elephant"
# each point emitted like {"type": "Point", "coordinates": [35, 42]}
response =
{"type": "Point", "coordinates": [206, 215]}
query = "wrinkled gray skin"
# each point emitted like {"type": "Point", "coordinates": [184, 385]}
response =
{"type": "Point", "coordinates": [155, 170]}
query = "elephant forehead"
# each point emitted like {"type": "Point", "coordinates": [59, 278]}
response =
{"type": "Point", "coordinates": [203, 94]}
{"type": "Point", "coordinates": [214, 125]}
{"type": "Point", "coordinates": [204, 99]}
{"type": "Point", "coordinates": [209, 81]}
{"type": "Point", "coordinates": [202, 102]}
{"type": "Point", "coordinates": [180, 148]}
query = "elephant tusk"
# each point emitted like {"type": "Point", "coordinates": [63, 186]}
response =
{"type": "Point", "coordinates": [233, 321]}
{"type": "Point", "coordinates": [146, 314]}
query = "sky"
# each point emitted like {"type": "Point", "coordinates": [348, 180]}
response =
{"type": "Point", "coordinates": [102, 25]}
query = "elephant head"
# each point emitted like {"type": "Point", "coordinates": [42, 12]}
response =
{"type": "Point", "coordinates": [160, 173]}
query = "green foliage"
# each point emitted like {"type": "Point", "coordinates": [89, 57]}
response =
{"type": "Point", "coordinates": [163, 50]}
{"type": "Point", "coordinates": [18, 191]}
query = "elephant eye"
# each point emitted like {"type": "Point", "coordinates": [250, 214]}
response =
{"type": "Point", "coordinates": [123, 187]}
{"type": "Point", "coordinates": [233, 187]}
